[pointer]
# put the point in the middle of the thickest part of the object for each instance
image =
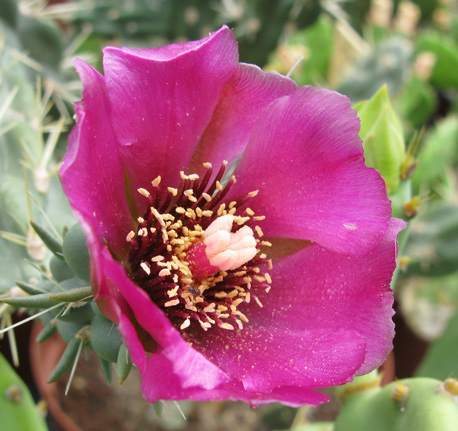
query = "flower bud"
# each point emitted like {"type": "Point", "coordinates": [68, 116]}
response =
{"type": "Point", "coordinates": [383, 139]}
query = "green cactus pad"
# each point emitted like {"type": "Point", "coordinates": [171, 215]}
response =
{"type": "Point", "coordinates": [18, 412]}
{"type": "Point", "coordinates": [417, 404]}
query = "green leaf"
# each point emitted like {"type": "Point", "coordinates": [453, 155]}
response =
{"type": "Point", "coordinates": [107, 370]}
{"type": "Point", "coordinates": [69, 330]}
{"type": "Point", "coordinates": [158, 408]}
{"type": "Point", "coordinates": [53, 243]}
{"type": "Point", "coordinates": [60, 270]}
{"type": "Point", "coordinates": [42, 300]}
{"type": "Point", "coordinates": [66, 361]}
{"type": "Point", "coordinates": [105, 338]}
{"type": "Point", "coordinates": [123, 364]}
{"type": "Point", "coordinates": [29, 288]}
{"type": "Point", "coordinates": [76, 293]}
{"type": "Point", "coordinates": [47, 332]}
{"type": "Point", "coordinates": [76, 252]}
{"type": "Point", "coordinates": [73, 295]}
{"type": "Point", "coordinates": [47, 300]}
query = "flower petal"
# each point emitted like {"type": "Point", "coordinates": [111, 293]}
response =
{"type": "Point", "coordinates": [293, 396]}
{"type": "Point", "coordinates": [161, 382]}
{"type": "Point", "coordinates": [92, 173]}
{"type": "Point", "coordinates": [324, 289]}
{"type": "Point", "coordinates": [306, 159]}
{"type": "Point", "coordinates": [191, 367]}
{"type": "Point", "coordinates": [328, 314]}
{"type": "Point", "coordinates": [241, 102]}
{"type": "Point", "coordinates": [162, 100]}
{"type": "Point", "coordinates": [271, 356]}
{"type": "Point", "coordinates": [326, 318]}
{"type": "Point", "coordinates": [179, 371]}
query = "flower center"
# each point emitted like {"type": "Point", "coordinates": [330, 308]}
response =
{"type": "Point", "coordinates": [196, 255]}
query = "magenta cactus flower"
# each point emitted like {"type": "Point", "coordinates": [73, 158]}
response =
{"type": "Point", "coordinates": [236, 236]}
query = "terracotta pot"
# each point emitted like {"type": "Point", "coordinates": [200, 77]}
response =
{"type": "Point", "coordinates": [388, 369]}
{"type": "Point", "coordinates": [91, 404]}
{"type": "Point", "coordinates": [43, 358]}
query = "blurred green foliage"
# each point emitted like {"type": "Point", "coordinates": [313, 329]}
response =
{"type": "Point", "coordinates": [258, 24]}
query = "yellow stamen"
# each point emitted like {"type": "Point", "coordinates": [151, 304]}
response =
{"type": "Point", "coordinates": [146, 268]}
{"type": "Point", "coordinates": [172, 303]}
{"type": "Point", "coordinates": [144, 192]}
{"type": "Point", "coordinates": [185, 324]}
{"type": "Point", "coordinates": [172, 190]}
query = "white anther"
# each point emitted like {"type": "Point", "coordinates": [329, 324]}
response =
{"type": "Point", "coordinates": [146, 268]}
{"type": "Point", "coordinates": [185, 324]}
{"type": "Point", "coordinates": [156, 181]}
{"type": "Point", "coordinates": [143, 192]}
{"type": "Point", "coordinates": [172, 190]}
{"type": "Point", "coordinates": [172, 303]}
{"type": "Point", "coordinates": [228, 250]}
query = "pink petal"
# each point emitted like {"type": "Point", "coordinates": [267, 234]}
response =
{"type": "Point", "coordinates": [306, 159]}
{"type": "Point", "coordinates": [272, 356]}
{"type": "Point", "coordinates": [179, 371]}
{"type": "Point", "coordinates": [162, 100]}
{"type": "Point", "coordinates": [241, 102]}
{"type": "Point", "coordinates": [161, 382]}
{"type": "Point", "coordinates": [191, 367]}
{"type": "Point", "coordinates": [293, 396]}
{"type": "Point", "coordinates": [328, 314]}
{"type": "Point", "coordinates": [326, 290]}
{"type": "Point", "coordinates": [326, 318]}
{"type": "Point", "coordinates": [92, 173]}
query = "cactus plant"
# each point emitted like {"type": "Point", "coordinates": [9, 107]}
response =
{"type": "Point", "coordinates": [410, 404]}
{"type": "Point", "coordinates": [18, 411]}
